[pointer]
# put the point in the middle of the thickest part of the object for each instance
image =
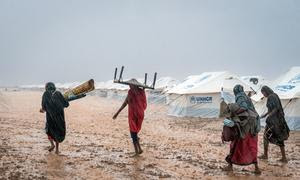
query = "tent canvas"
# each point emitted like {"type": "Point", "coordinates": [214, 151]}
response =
{"type": "Point", "coordinates": [100, 89]}
{"type": "Point", "coordinates": [201, 95]}
{"type": "Point", "coordinates": [260, 82]}
{"type": "Point", "coordinates": [158, 95]}
{"type": "Point", "coordinates": [116, 91]}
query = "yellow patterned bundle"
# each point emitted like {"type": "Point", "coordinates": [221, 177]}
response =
{"type": "Point", "coordinates": [80, 91]}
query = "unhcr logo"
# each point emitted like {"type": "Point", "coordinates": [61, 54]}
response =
{"type": "Point", "coordinates": [200, 99]}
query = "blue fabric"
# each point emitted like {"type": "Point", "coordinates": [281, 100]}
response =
{"type": "Point", "coordinates": [245, 102]}
{"type": "Point", "coordinates": [242, 99]}
{"type": "Point", "coordinates": [228, 123]}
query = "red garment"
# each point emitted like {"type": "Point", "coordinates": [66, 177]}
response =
{"type": "Point", "coordinates": [137, 104]}
{"type": "Point", "coordinates": [50, 138]}
{"type": "Point", "coordinates": [243, 151]}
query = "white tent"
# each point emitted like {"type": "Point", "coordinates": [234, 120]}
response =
{"type": "Point", "coordinates": [287, 87]}
{"type": "Point", "coordinates": [201, 95]}
{"type": "Point", "coordinates": [33, 86]}
{"type": "Point", "coordinates": [113, 90]}
{"type": "Point", "coordinates": [256, 82]}
{"type": "Point", "coordinates": [162, 86]}
{"type": "Point", "coordinates": [100, 89]}
{"type": "Point", "coordinates": [116, 91]}
{"type": "Point", "coordinates": [165, 83]}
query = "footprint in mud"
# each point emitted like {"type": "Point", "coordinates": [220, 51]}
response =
{"type": "Point", "coordinates": [107, 162]}
{"type": "Point", "coordinates": [98, 166]}
{"type": "Point", "coordinates": [117, 150]}
{"type": "Point", "coordinates": [78, 150]}
{"type": "Point", "coordinates": [42, 161]}
{"type": "Point", "coordinates": [113, 163]}
{"type": "Point", "coordinates": [152, 165]}
{"type": "Point", "coordinates": [70, 163]}
{"type": "Point", "coordinates": [150, 145]}
{"type": "Point", "coordinates": [277, 164]}
{"type": "Point", "coordinates": [132, 155]}
{"type": "Point", "coordinates": [154, 171]}
{"type": "Point", "coordinates": [162, 157]}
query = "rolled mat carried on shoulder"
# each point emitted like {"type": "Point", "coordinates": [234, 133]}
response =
{"type": "Point", "coordinates": [79, 91]}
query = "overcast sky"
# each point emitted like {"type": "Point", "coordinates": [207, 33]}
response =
{"type": "Point", "coordinates": [68, 40]}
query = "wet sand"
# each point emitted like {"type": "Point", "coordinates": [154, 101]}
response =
{"type": "Point", "coordinates": [97, 147]}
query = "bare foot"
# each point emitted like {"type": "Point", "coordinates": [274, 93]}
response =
{"type": "Point", "coordinates": [227, 168]}
{"type": "Point", "coordinates": [141, 151]}
{"type": "Point", "coordinates": [51, 148]}
{"type": "Point", "coordinates": [257, 171]}
{"type": "Point", "coordinates": [56, 152]}
{"type": "Point", "coordinates": [263, 157]}
{"type": "Point", "coordinates": [134, 155]}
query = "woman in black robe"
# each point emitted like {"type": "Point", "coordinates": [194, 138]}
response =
{"type": "Point", "coordinates": [276, 130]}
{"type": "Point", "coordinates": [53, 103]}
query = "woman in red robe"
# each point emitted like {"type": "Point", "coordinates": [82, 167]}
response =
{"type": "Point", "coordinates": [243, 149]}
{"type": "Point", "coordinates": [137, 104]}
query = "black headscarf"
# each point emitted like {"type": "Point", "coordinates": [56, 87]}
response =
{"type": "Point", "coordinates": [268, 91]}
{"type": "Point", "coordinates": [53, 102]}
{"type": "Point", "coordinates": [50, 87]}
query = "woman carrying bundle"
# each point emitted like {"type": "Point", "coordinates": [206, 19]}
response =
{"type": "Point", "coordinates": [53, 103]}
{"type": "Point", "coordinates": [243, 147]}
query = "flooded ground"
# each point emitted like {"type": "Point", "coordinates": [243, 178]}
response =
{"type": "Point", "coordinates": [97, 147]}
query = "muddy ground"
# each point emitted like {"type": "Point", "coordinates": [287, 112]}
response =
{"type": "Point", "coordinates": [97, 147]}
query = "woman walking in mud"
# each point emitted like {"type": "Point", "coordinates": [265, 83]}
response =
{"type": "Point", "coordinates": [243, 148]}
{"type": "Point", "coordinates": [53, 103]}
{"type": "Point", "coordinates": [276, 130]}
{"type": "Point", "coordinates": [137, 103]}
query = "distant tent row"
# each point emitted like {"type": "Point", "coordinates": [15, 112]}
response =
{"type": "Point", "coordinates": [62, 86]}
{"type": "Point", "coordinates": [201, 95]}
{"type": "Point", "coordinates": [159, 95]}
{"type": "Point", "coordinates": [111, 90]}
{"type": "Point", "coordinates": [118, 91]}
